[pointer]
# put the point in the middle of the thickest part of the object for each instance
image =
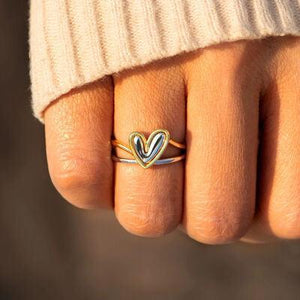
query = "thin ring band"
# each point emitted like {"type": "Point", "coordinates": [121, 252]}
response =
{"type": "Point", "coordinates": [163, 161]}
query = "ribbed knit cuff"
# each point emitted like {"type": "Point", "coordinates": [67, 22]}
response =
{"type": "Point", "coordinates": [73, 42]}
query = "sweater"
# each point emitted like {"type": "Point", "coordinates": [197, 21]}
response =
{"type": "Point", "coordinates": [74, 42]}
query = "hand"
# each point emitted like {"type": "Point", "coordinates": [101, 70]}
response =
{"type": "Point", "coordinates": [237, 106]}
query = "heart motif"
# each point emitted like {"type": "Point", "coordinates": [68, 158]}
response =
{"type": "Point", "coordinates": [147, 152]}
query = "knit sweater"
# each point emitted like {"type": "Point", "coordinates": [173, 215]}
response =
{"type": "Point", "coordinates": [74, 42]}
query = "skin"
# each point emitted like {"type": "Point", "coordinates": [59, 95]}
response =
{"type": "Point", "coordinates": [237, 107]}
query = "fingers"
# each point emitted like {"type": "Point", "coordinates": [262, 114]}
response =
{"type": "Point", "coordinates": [78, 133]}
{"type": "Point", "coordinates": [223, 87]}
{"type": "Point", "coordinates": [278, 213]}
{"type": "Point", "coordinates": [222, 121]}
{"type": "Point", "coordinates": [148, 202]}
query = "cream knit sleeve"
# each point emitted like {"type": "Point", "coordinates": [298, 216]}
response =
{"type": "Point", "coordinates": [73, 42]}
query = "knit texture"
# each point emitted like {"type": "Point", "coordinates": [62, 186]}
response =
{"type": "Point", "coordinates": [73, 42]}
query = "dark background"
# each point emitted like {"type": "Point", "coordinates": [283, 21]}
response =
{"type": "Point", "coordinates": [51, 250]}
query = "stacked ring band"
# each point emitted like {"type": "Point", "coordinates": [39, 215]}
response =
{"type": "Point", "coordinates": [147, 152]}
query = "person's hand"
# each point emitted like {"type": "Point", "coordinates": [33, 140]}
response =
{"type": "Point", "coordinates": [237, 107]}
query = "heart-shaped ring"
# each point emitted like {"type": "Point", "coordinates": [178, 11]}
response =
{"type": "Point", "coordinates": [147, 152]}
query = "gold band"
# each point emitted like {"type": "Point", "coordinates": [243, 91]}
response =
{"type": "Point", "coordinates": [117, 143]}
{"type": "Point", "coordinates": [147, 152]}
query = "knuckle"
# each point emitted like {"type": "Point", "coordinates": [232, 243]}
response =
{"type": "Point", "coordinates": [216, 231]}
{"type": "Point", "coordinates": [221, 217]}
{"type": "Point", "coordinates": [141, 222]}
{"type": "Point", "coordinates": [288, 227]}
{"type": "Point", "coordinates": [81, 182]}
{"type": "Point", "coordinates": [283, 215]}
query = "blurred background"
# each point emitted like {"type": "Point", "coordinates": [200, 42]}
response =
{"type": "Point", "coordinates": [51, 250]}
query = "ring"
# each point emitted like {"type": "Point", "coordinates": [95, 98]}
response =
{"type": "Point", "coordinates": [146, 152]}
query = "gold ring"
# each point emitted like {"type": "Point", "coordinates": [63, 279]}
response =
{"type": "Point", "coordinates": [147, 152]}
